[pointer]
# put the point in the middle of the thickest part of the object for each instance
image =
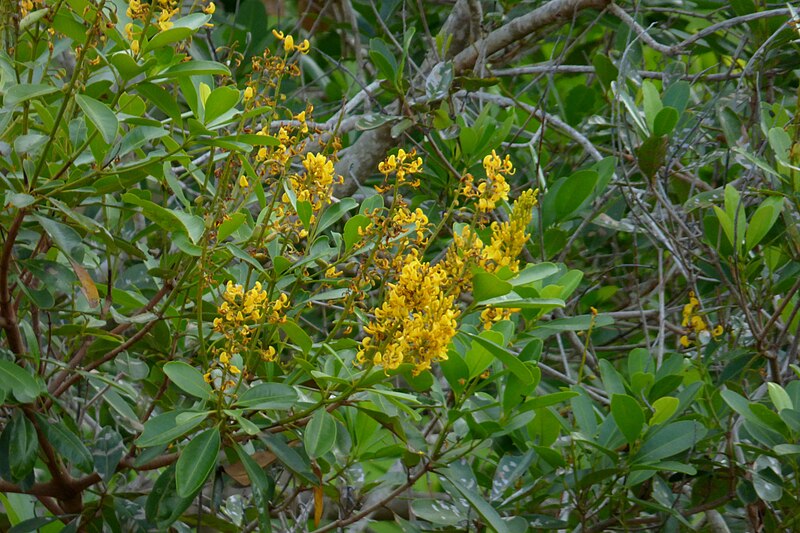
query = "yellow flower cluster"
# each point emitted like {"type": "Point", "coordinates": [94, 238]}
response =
{"type": "Point", "coordinates": [696, 325]}
{"type": "Point", "coordinates": [416, 321]}
{"type": "Point", "coordinates": [289, 45]}
{"type": "Point", "coordinates": [26, 6]}
{"type": "Point", "coordinates": [242, 312]}
{"type": "Point", "coordinates": [138, 10]}
{"type": "Point", "coordinates": [507, 241]}
{"type": "Point", "coordinates": [509, 238]}
{"type": "Point", "coordinates": [316, 185]}
{"type": "Point", "coordinates": [241, 309]}
{"type": "Point", "coordinates": [403, 164]}
{"type": "Point", "coordinates": [495, 188]}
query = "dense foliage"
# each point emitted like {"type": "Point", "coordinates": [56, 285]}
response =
{"type": "Point", "coordinates": [399, 266]}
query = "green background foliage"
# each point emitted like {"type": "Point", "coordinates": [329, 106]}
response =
{"type": "Point", "coordinates": [644, 374]}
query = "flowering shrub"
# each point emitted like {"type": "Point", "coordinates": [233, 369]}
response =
{"type": "Point", "coordinates": [226, 305]}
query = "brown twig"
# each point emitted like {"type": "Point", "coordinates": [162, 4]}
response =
{"type": "Point", "coordinates": [10, 324]}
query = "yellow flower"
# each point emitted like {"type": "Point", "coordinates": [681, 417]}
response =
{"type": "Point", "coordinates": [492, 315]}
{"type": "Point", "coordinates": [135, 46]}
{"type": "Point", "coordinates": [248, 92]}
{"type": "Point", "coordinates": [243, 183]}
{"type": "Point", "coordinates": [268, 355]}
{"type": "Point", "coordinates": [303, 47]}
{"type": "Point", "coordinates": [403, 164]}
{"type": "Point", "coordinates": [416, 321]}
{"type": "Point", "coordinates": [509, 238]}
{"type": "Point", "coordinates": [210, 8]}
{"type": "Point", "coordinates": [289, 45]}
{"type": "Point", "coordinates": [696, 325]}
{"type": "Point", "coordinates": [495, 188]}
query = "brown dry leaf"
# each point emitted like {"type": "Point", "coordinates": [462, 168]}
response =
{"type": "Point", "coordinates": [317, 505]}
{"type": "Point", "coordinates": [238, 473]}
{"type": "Point", "coordinates": [88, 287]}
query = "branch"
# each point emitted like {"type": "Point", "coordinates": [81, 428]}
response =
{"type": "Point", "coordinates": [76, 359]}
{"type": "Point", "coordinates": [74, 378]}
{"type": "Point", "coordinates": [705, 32]}
{"type": "Point", "coordinates": [648, 74]}
{"type": "Point", "coordinates": [551, 13]}
{"type": "Point", "coordinates": [543, 117]}
{"type": "Point", "coordinates": [9, 323]}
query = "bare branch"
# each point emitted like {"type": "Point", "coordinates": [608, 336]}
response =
{"type": "Point", "coordinates": [551, 13]}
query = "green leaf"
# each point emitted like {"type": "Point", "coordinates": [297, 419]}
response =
{"type": "Point", "coordinates": [351, 230]}
{"type": "Point", "coordinates": [268, 396]}
{"type": "Point", "coordinates": [23, 445]}
{"type": "Point", "coordinates": [220, 101]}
{"type": "Point", "coordinates": [66, 443]}
{"type": "Point", "coordinates": [437, 511]}
{"type": "Point", "coordinates": [781, 144]}
{"type": "Point", "coordinates": [677, 96]}
{"type": "Point", "coordinates": [23, 386]}
{"type": "Point", "coordinates": [165, 428]}
{"type": "Point", "coordinates": [188, 379]}
{"type": "Point", "coordinates": [547, 400]}
{"type": "Point", "coordinates": [334, 212]}
{"type": "Point", "coordinates": [739, 404]}
{"type": "Point", "coordinates": [66, 239]}
{"type": "Point", "coordinates": [107, 450]}
{"type": "Point", "coordinates": [229, 226]}
{"type": "Point", "coordinates": [320, 434]}
{"type": "Point", "coordinates": [194, 68]}
{"type": "Point", "coordinates": [196, 462]}
{"type": "Point", "coordinates": [652, 102]}
{"type": "Point", "coordinates": [628, 415]}
{"type": "Point", "coordinates": [663, 409]}
{"type": "Point", "coordinates": [484, 509]}
{"type": "Point", "coordinates": [297, 335]}
{"type": "Point", "coordinates": [532, 273]}
{"type": "Point", "coordinates": [383, 58]}
{"type": "Point", "coordinates": [507, 358]}
{"type": "Point", "coordinates": [262, 487]}
{"type": "Point", "coordinates": [181, 29]}
{"type": "Point", "coordinates": [169, 219]}
{"type": "Point", "coordinates": [762, 221]}
{"type": "Point", "coordinates": [290, 458]}
{"type": "Point", "coordinates": [665, 121]}
{"type": "Point", "coordinates": [780, 398]}
{"type": "Point", "coordinates": [304, 212]}
{"type": "Point", "coordinates": [103, 118]}
{"type": "Point", "coordinates": [574, 192]}
{"type": "Point", "coordinates": [31, 18]}
{"type": "Point", "coordinates": [725, 223]}
{"type": "Point", "coordinates": [27, 91]}
{"type": "Point", "coordinates": [164, 506]}
{"type": "Point", "coordinates": [161, 98]}
{"type": "Point", "coordinates": [486, 285]}
{"type": "Point", "coordinates": [605, 69]}
{"type": "Point", "coordinates": [670, 440]}
{"type": "Point", "coordinates": [651, 154]}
